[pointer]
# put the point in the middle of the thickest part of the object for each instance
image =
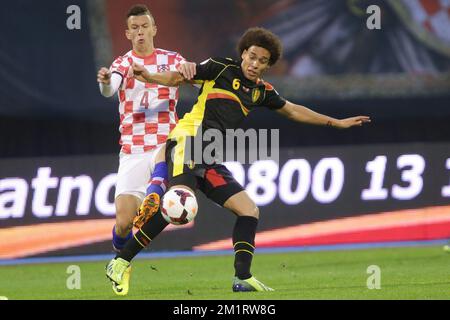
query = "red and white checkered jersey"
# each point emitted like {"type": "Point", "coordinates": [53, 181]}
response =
{"type": "Point", "coordinates": [147, 111]}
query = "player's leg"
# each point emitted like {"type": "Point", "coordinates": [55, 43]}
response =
{"type": "Point", "coordinates": [126, 207]}
{"type": "Point", "coordinates": [155, 189]}
{"type": "Point", "coordinates": [244, 232]}
{"type": "Point", "coordinates": [155, 225]}
{"type": "Point", "coordinates": [117, 268]}
{"type": "Point", "coordinates": [132, 179]}
{"type": "Point", "coordinates": [222, 188]}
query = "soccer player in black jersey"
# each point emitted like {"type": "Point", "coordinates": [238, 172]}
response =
{"type": "Point", "coordinates": [229, 91]}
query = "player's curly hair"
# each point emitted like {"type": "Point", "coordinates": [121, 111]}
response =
{"type": "Point", "coordinates": [139, 10]}
{"type": "Point", "coordinates": [262, 38]}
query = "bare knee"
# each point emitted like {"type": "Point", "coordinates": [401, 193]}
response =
{"type": "Point", "coordinates": [126, 207]}
{"type": "Point", "coordinates": [242, 205]}
{"type": "Point", "coordinates": [249, 212]}
{"type": "Point", "coordinates": [254, 212]}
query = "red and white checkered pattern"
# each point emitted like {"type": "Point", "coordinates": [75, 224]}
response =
{"type": "Point", "coordinates": [147, 111]}
{"type": "Point", "coordinates": [433, 15]}
{"type": "Point", "coordinates": [163, 183]}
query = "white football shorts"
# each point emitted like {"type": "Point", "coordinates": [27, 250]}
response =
{"type": "Point", "coordinates": [134, 173]}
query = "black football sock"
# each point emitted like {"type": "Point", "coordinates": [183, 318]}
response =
{"type": "Point", "coordinates": [143, 237]}
{"type": "Point", "coordinates": [244, 245]}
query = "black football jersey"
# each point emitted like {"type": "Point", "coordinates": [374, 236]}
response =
{"type": "Point", "coordinates": [226, 97]}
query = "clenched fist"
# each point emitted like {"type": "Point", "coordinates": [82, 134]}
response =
{"type": "Point", "coordinates": [104, 76]}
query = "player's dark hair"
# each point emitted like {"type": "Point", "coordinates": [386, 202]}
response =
{"type": "Point", "coordinates": [262, 38]}
{"type": "Point", "coordinates": [139, 10]}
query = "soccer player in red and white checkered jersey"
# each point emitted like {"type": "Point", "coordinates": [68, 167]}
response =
{"type": "Point", "coordinates": [147, 114]}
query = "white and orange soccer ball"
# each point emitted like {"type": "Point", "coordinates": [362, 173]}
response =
{"type": "Point", "coordinates": [179, 206]}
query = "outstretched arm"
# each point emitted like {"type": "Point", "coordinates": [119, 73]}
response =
{"type": "Point", "coordinates": [300, 113]}
{"type": "Point", "coordinates": [170, 78]}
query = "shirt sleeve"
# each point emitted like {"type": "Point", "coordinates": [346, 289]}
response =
{"type": "Point", "coordinates": [121, 66]}
{"type": "Point", "coordinates": [178, 59]}
{"type": "Point", "coordinates": [109, 90]}
{"type": "Point", "coordinates": [273, 100]}
{"type": "Point", "coordinates": [209, 69]}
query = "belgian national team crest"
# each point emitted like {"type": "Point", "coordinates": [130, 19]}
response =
{"type": "Point", "coordinates": [256, 93]}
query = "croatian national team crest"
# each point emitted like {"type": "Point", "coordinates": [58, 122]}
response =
{"type": "Point", "coordinates": [163, 67]}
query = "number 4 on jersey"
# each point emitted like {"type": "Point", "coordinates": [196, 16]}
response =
{"type": "Point", "coordinates": [144, 100]}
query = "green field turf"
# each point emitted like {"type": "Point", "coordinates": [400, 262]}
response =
{"type": "Point", "coordinates": [406, 273]}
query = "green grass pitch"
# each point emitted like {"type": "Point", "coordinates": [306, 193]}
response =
{"type": "Point", "coordinates": [406, 273]}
